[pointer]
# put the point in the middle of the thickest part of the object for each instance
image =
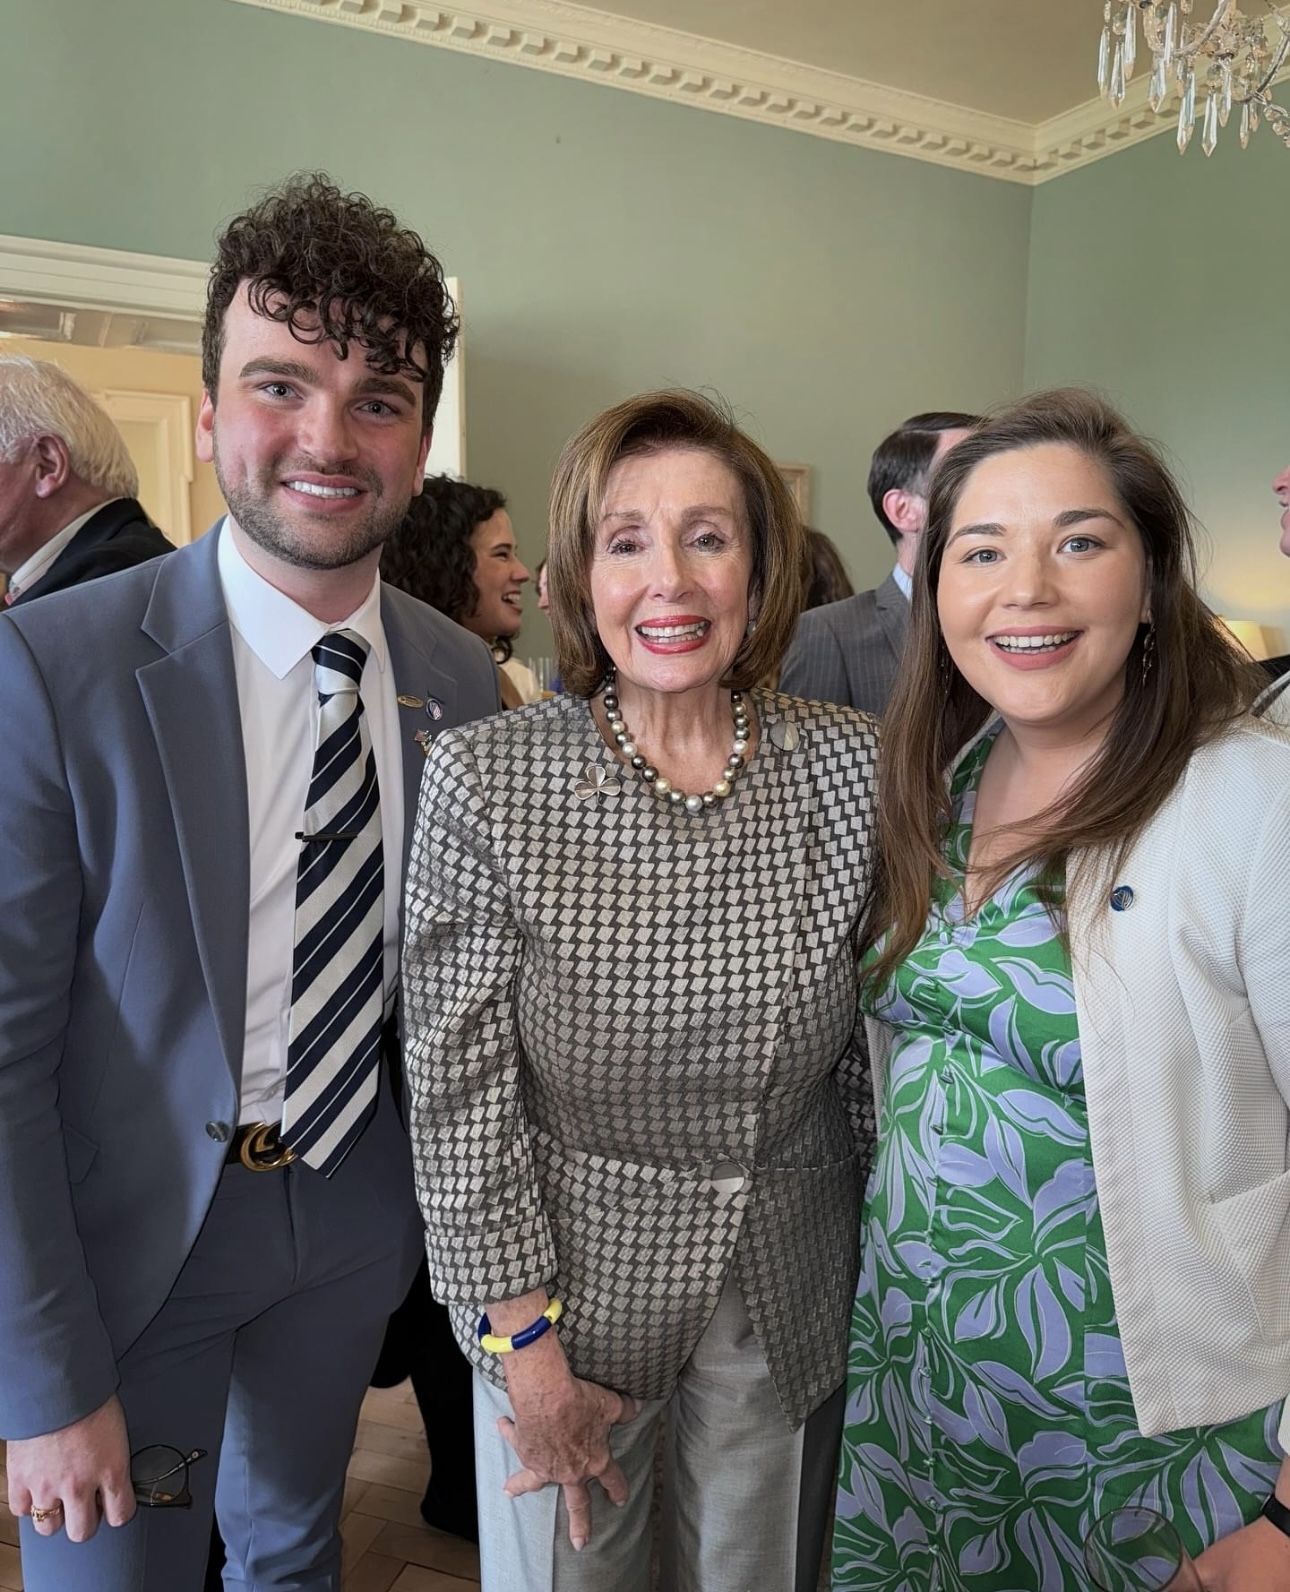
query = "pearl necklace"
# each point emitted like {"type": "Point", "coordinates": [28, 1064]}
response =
{"type": "Point", "coordinates": [661, 787]}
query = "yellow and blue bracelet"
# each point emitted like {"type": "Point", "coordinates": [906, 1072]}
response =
{"type": "Point", "coordinates": [491, 1344]}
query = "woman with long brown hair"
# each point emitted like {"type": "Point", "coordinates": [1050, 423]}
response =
{"type": "Point", "coordinates": [1075, 1288]}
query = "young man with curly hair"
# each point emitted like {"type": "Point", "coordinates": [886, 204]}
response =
{"type": "Point", "coordinates": [206, 1205]}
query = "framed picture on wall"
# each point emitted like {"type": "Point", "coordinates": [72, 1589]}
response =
{"type": "Point", "coordinates": [797, 478]}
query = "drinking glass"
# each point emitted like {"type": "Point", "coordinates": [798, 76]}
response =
{"type": "Point", "coordinates": [1137, 1550]}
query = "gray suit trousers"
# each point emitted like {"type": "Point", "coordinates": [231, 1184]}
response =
{"type": "Point", "coordinates": [746, 1501]}
{"type": "Point", "coordinates": [261, 1356]}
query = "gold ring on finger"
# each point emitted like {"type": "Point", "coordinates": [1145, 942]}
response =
{"type": "Point", "coordinates": [39, 1515]}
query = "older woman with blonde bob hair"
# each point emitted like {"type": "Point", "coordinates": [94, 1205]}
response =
{"type": "Point", "coordinates": [1075, 1290]}
{"type": "Point", "coordinates": [641, 1119]}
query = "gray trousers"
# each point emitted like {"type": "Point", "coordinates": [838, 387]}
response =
{"type": "Point", "coordinates": [746, 1502]}
{"type": "Point", "coordinates": [261, 1356]}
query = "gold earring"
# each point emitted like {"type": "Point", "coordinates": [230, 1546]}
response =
{"type": "Point", "coordinates": [1148, 650]}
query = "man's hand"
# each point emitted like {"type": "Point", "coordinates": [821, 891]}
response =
{"type": "Point", "coordinates": [78, 1473]}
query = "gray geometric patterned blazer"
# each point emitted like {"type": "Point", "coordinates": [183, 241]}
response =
{"type": "Point", "coordinates": [632, 1045]}
{"type": "Point", "coordinates": [849, 652]}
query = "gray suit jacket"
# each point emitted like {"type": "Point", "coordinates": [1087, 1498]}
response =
{"type": "Point", "coordinates": [849, 652]}
{"type": "Point", "coordinates": [631, 1041]}
{"type": "Point", "coordinates": [123, 943]}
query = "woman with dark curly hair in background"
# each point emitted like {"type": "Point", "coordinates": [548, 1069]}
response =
{"type": "Point", "coordinates": [456, 551]}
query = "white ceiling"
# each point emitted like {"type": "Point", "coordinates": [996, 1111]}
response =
{"type": "Point", "coordinates": [1027, 60]}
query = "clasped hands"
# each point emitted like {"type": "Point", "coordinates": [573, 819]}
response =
{"type": "Point", "coordinates": [561, 1435]}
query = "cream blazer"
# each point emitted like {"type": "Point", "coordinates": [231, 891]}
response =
{"type": "Point", "coordinates": [1183, 1001]}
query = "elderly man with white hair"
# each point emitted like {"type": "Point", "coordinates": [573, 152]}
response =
{"type": "Point", "coordinates": [68, 509]}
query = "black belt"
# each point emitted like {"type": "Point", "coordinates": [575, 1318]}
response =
{"type": "Point", "coordinates": [257, 1147]}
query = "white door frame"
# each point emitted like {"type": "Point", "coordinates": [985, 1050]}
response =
{"type": "Point", "coordinates": [77, 276]}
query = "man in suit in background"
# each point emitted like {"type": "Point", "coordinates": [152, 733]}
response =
{"type": "Point", "coordinates": [68, 505]}
{"type": "Point", "coordinates": [211, 770]}
{"type": "Point", "coordinates": [849, 652]}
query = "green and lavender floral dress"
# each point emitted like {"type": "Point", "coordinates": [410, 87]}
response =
{"type": "Point", "coordinates": [988, 1411]}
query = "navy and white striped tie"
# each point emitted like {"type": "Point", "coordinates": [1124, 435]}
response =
{"type": "Point", "coordinates": [337, 977]}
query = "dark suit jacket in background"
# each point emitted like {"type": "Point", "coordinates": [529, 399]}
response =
{"type": "Point", "coordinates": [849, 652]}
{"type": "Point", "coordinates": [117, 536]}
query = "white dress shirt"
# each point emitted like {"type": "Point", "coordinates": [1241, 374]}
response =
{"type": "Point", "coordinates": [273, 639]}
{"type": "Point", "coordinates": [523, 679]}
{"type": "Point", "coordinates": [905, 581]}
{"type": "Point", "coordinates": [37, 566]}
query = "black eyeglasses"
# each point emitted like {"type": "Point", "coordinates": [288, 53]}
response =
{"type": "Point", "coordinates": [159, 1476]}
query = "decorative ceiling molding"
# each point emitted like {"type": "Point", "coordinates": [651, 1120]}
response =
{"type": "Point", "coordinates": [665, 63]}
{"type": "Point", "coordinates": [1094, 130]}
{"type": "Point", "coordinates": [576, 41]}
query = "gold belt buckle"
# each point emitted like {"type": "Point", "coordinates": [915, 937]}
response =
{"type": "Point", "coordinates": [261, 1150]}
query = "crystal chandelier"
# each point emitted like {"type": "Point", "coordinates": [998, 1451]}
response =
{"type": "Point", "coordinates": [1217, 66]}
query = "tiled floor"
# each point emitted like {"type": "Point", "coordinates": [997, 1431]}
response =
{"type": "Point", "coordinates": [388, 1548]}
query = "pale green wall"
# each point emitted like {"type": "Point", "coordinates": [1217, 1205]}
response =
{"type": "Point", "coordinates": [605, 242]}
{"type": "Point", "coordinates": [1163, 281]}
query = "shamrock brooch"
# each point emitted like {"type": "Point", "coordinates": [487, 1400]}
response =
{"type": "Point", "coordinates": [596, 781]}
